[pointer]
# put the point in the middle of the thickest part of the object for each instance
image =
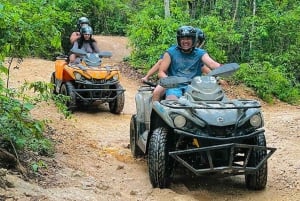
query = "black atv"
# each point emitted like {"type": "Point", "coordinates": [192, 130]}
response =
{"type": "Point", "coordinates": [203, 132]}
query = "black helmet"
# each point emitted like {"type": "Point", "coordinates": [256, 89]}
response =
{"type": "Point", "coordinates": [186, 31]}
{"type": "Point", "coordinates": [86, 30]}
{"type": "Point", "coordinates": [200, 36]}
{"type": "Point", "coordinates": [82, 20]}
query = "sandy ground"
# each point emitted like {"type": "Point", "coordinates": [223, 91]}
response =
{"type": "Point", "coordinates": [93, 161]}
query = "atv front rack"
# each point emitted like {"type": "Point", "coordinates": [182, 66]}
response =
{"type": "Point", "coordinates": [98, 92]}
{"type": "Point", "coordinates": [232, 104]}
{"type": "Point", "coordinates": [233, 167]}
{"type": "Point", "coordinates": [220, 139]}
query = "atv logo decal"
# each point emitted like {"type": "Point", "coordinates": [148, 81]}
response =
{"type": "Point", "coordinates": [220, 119]}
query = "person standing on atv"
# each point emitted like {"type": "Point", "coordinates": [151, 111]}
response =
{"type": "Point", "coordinates": [85, 42]}
{"type": "Point", "coordinates": [82, 21]}
{"type": "Point", "coordinates": [184, 60]}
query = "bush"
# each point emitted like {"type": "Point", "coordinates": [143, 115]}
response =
{"type": "Point", "coordinates": [268, 82]}
{"type": "Point", "coordinates": [151, 34]}
{"type": "Point", "coordinates": [18, 129]}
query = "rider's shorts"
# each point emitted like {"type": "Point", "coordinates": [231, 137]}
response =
{"type": "Point", "coordinates": [178, 92]}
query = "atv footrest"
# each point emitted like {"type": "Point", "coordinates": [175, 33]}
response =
{"type": "Point", "coordinates": [232, 167]}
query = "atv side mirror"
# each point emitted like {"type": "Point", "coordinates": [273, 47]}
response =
{"type": "Point", "coordinates": [173, 81]}
{"type": "Point", "coordinates": [224, 70]}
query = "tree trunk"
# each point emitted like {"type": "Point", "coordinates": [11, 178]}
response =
{"type": "Point", "coordinates": [167, 8]}
{"type": "Point", "coordinates": [192, 8]}
{"type": "Point", "coordinates": [235, 12]}
{"type": "Point", "coordinates": [8, 160]}
{"type": "Point", "coordinates": [253, 25]}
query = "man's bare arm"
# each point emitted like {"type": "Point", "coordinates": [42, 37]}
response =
{"type": "Point", "coordinates": [208, 61]}
{"type": "Point", "coordinates": [164, 65]}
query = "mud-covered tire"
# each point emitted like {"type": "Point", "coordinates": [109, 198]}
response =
{"type": "Point", "coordinates": [67, 89]}
{"type": "Point", "coordinates": [258, 180]}
{"type": "Point", "coordinates": [52, 81]}
{"type": "Point", "coordinates": [116, 106]}
{"type": "Point", "coordinates": [159, 161]}
{"type": "Point", "coordinates": [135, 150]}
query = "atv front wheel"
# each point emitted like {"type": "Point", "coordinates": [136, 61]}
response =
{"type": "Point", "coordinates": [52, 81]}
{"type": "Point", "coordinates": [159, 161]}
{"type": "Point", "coordinates": [258, 180]}
{"type": "Point", "coordinates": [117, 105]}
{"type": "Point", "coordinates": [67, 89]}
{"type": "Point", "coordinates": [135, 150]}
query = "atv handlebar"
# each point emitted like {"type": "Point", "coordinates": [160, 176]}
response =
{"type": "Point", "coordinates": [80, 52]}
{"type": "Point", "coordinates": [104, 54]}
{"type": "Point", "coordinates": [151, 84]}
{"type": "Point", "coordinates": [173, 81]}
{"type": "Point", "coordinates": [225, 70]}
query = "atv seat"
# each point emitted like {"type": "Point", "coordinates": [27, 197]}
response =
{"type": "Point", "coordinates": [62, 57]}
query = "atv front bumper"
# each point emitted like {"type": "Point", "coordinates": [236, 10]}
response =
{"type": "Point", "coordinates": [232, 166]}
{"type": "Point", "coordinates": [98, 92]}
{"type": "Point", "coordinates": [105, 95]}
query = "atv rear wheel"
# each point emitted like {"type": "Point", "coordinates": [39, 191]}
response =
{"type": "Point", "coordinates": [67, 89]}
{"type": "Point", "coordinates": [52, 81]}
{"type": "Point", "coordinates": [258, 180]}
{"type": "Point", "coordinates": [159, 161]}
{"type": "Point", "coordinates": [117, 105]}
{"type": "Point", "coordinates": [135, 150]}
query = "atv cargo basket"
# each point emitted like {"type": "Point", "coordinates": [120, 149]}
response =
{"type": "Point", "coordinates": [232, 167]}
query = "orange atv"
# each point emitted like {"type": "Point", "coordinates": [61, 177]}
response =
{"type": "Point", "coordinates": [88, 81]}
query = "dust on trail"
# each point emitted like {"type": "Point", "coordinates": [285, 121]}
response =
{"type": "Point", "coordinates": [93, 161]}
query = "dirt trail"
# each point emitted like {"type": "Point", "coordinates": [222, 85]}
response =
{"type": "Point", "coordinates": [93, 161]}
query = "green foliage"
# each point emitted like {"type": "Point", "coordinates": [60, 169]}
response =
{"type": "Point", "coordinates": [268, 81]}
{"type": "Point", "coordinates": [60, 102]}
{"type": "Point", "coordinates": [19, 131]}
{"type": "Point", "coordinates": [29, 28]}
{"type": "Point", "coordinates": [18, 128]}
{"type": "Point", "coordinates": [281, 45]}
{"type": "Point", "coordinates": [35, 166]}
{"type": "Point", "coordinates": [243, 32]}
{"type": "Point", "coordinates": [150, 33]}
{"type": "Point", "coordinates": [221, 38]}
{"type": "Point", "coordinates": [109, 17]}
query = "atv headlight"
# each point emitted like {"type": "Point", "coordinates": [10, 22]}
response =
{"type": "Point", "coordinates": [116, 77]}
{"type": "Point", "coordinates": [256, 121]}
{"type": "Point", "coordinates": [179, 121]}
{"type": "Point", "coordinates": [77, 76]}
